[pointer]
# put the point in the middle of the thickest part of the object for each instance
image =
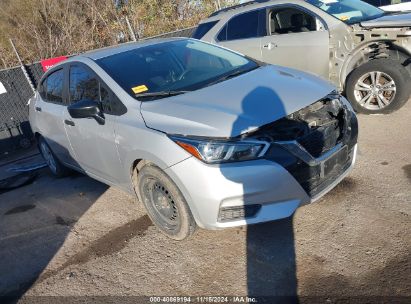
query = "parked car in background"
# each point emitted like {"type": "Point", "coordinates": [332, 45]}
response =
{"type": "Point", "coordinates": [202, 135]}
{"type": "Point", "coordinates": [361, 49]}
{"type": "Point", "coordinates": [391, 5]}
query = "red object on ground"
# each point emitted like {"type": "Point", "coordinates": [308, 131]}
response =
{"type": "Point", "coordinates": [48, 63]}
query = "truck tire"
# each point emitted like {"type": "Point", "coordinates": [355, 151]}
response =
{"type": "Point", "coordinates": [164, 203]}
{"type": "Point", "coordinates": [379, 86]}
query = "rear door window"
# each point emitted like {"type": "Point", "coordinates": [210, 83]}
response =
{"type": "Point", "coordinates": [243, 26]}
{"type": "Point", "coordinates": [203, 29]}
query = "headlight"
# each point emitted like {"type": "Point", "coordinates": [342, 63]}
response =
{"type": "Point", "coordinates": [220, 151]}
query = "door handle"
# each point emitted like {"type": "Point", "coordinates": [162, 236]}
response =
{"type": "Point", "coordinates": [69, 123]}
{"type": "Point", "coordinates": [269, 46]}
{"type": "Point", "coordinates": [38, 109]}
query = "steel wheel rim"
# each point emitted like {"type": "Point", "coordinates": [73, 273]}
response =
{"type": "Point", "coordinates": [48, 157]}
{"type": "Point", "coordinates": [162, 203]}
{"type": "Point", "coordinates": [375, 90]}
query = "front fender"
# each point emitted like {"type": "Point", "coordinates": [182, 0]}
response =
{"type": "Point", "coordinates": [137, 142]}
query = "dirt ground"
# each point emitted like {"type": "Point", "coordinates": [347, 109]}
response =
{"type": "Point", "coordinates": [77, 237]}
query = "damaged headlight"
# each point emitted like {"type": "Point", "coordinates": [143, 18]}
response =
{"type": "Point", "coordinates": [220, 151]}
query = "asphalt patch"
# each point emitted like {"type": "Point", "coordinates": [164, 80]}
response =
{"type": "Point", "coordinates": [407, 171]}
{"type": "Point", "coordinates": [75, 175]}
{"type": "Point", "coordinates": [63, 222]}
{"type": "Point", "coordinates": [114, 241]}
{"type": "Point", "coordinates": [386, 281]}
{"type": "Point", "coordinates": [110, 243]}
{"type": "Point", "coordinates": [20, 209]}
{"type": "Point", "coordinates": [17, 181]}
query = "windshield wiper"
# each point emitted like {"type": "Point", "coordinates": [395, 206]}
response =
{"type": "Point", "coordinates": [231, 75]}
{"type": "Point", "coordinates": [160, 94]}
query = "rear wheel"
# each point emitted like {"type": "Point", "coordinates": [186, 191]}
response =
{"type": "Point", "coordinates": [164, 203]}
{"type": "Point", "coordinates": [55, 166]}
{"type": "Point", "coordinates": [378, 87]}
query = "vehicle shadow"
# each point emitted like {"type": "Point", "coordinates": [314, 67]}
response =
{"type": "Point", "coordinates": [271, 260]}
{"type": "Point", "coordinates": [35, 221]}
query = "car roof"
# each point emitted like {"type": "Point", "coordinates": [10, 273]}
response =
{"type": "Point", "coordinates": [248, 6]}
{"type": "Point", "coordinates": [117, 49]}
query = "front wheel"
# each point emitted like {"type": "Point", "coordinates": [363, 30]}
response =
{"type": "Point", "coordinates": [164, 203]}
{"type": "Point", "coordinates": [379, 86]}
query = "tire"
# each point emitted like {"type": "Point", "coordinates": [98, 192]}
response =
{"type": "Point", "coordinates": [384, 95]}
{"type": "Point", "coordinates": [55, 166]}
{"type": "Point", "coordinates": [164, 203]}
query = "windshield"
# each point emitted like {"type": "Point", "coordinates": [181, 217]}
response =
{"type": "Point", "coordinates": [349, 11]}
{"type": "Point", "coordinates": [173, 66]}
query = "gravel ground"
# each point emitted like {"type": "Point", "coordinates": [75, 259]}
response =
{"type": "Point", "coordinates": [76, 237]}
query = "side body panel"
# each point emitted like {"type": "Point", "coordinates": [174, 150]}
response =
{"type": "Point", "coordinates": [94, 146]}
{"type": "Point", "coordinates": [250, 47]}
{"type": "Point", "coordinates": [47, 119]}
{"type": "Point", "coordinates": [51, 123]}
{"type": "Point", "coordinates": [134, 141]}
{"type": "Point", "coordinates": [137, 142]}
{"type": "Point", "coordinates": [306, 51]}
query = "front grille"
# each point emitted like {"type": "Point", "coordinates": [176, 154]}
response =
{"type": "Point", "coordinates": [302, 138]}
{"type": "Point", "coordinates": [310, 177]}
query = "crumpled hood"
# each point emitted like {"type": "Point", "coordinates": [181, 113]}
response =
{"type": "Point", "coordinates": [237, 105]}
{"type": "Point", "coordinates": [395, 20]}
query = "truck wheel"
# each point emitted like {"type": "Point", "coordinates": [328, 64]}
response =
{"type": "Point", "coordinates": [164, 203]}
{"type": "Point", "coordinates": [379, 86]}
{"type": "Point", "coordinates": [55, 166]}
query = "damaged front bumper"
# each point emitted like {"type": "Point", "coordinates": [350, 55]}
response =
{"type": "Point", "coordinates": [237, 194]}
{"type": "Point", "coordinates": [319, 143]}
{"type": "Point", "coordinates": [310, 152]}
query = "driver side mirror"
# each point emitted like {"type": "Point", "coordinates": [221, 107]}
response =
{"type": "Point", "coordinates": [87, 109]}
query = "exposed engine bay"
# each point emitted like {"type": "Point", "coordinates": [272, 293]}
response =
{"type": "Point", "coordinates": [315, 144]}
{"type": "Point", "coordinates": [318, 127]}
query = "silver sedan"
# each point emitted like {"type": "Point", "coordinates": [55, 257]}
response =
{"type": "Point", "coordinates": [202, 135]}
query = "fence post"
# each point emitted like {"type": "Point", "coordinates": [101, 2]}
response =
{"type": "Point", "coordinates": [130, 29]}
{"type": "Point", "coordinates": [118, 4]}
{"type": "Point", "coordinates": [23, 67]}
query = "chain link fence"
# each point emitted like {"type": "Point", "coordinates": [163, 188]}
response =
{"type": "Point", "coordinates": [15, 132]}
{"type": "Point", "coordinates": [15, 92]}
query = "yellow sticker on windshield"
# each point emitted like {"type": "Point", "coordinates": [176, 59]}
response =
{"type": "Point", "coordinates": [140, 89]}
{"type": "Point", "coordinates": [344, 18]}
